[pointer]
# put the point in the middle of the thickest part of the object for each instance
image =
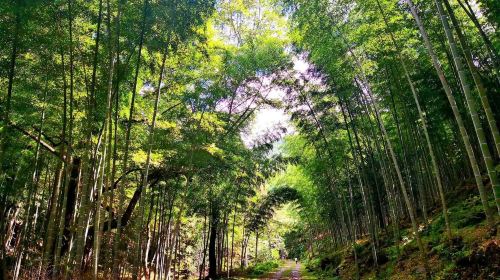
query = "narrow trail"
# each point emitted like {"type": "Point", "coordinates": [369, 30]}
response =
{"type": "Point", "coordinates": [289, 270]}
{"type": "Point", "coordinates": [295, 272]}
{"type": "Point", "coordinates": [278, 274]}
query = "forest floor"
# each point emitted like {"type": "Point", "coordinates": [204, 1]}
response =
{"type": "Point", "coordinates": [473, 253]}
{"type": "Point", "coordinates": [288, 270]}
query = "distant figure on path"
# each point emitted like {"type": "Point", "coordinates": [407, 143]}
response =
{"type": "Point", "coordinates": [296, 261]}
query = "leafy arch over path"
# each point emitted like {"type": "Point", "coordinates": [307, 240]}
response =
{"type": "Point", "coordinates": [276, 197]}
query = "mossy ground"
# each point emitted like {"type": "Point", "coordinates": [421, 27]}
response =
{"type": "Point", "coordinates": [473, 253]}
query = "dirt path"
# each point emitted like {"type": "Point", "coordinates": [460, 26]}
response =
{"type": "Point", "coordinates": [295, 272]}
{"type": "Point", "coordinates": [289, 270]}
{"type": "Point", "coordinates": [278, 274]}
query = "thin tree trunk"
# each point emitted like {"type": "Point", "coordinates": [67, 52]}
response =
{"type": "Point", "coordinates": [148, 160]}
{"type": "Point", "coordinates": [121, 199]}
{"type": "Point", "coordinates": [476, 77]}
{"type": "Point", "coordinates": [232, 243]}
{"type": "Point", "coordinates": [358, 161]}
{"type": "Point", "coordinates": [4, 134]}
{"type": "Point", "coordinates": [353, 229]}
{"type": "Point", "coordinates": [32, 193]}
{"type": "Point", "coordinates": [487, 42]}
{"type": "Point", "coordinates": [409, 206]}
{"type": "Point", "coordinates": [488, 160]}
{"type": "Point", "coordinates": [456, 113]}
{"type": "Point", "coordinates": [206, 232]}
{"type": "Point", "coordinates": [12, 66]}
{"type": "Point", "coordinates": [84, 218]}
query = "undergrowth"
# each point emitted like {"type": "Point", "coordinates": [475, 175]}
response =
{"type": "Point", "coordinates": [473, 253]}
{"type": "Point", "coordinates": [263, 268]}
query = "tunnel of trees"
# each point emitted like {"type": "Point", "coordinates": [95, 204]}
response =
{"type": "Point", "coordinates": [200, 139]}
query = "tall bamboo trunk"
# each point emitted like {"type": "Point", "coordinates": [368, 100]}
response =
{"type": "Point", "coordinates": [392, 154]}
{"type": "Point", "coordinates": [357, 162]}
{"type": "Point", "coordinates": [148, 161]}
{"type": "Point", "coordinates": [91, 156]}
{"type": "Point", "coordinates": [488, 160]}
{"type": "Point", "coordinates": [66, 157]}
{"type": "Point", "coordinates": [353, 229]}
{"type": "Point", "coordinates": [121, 196]}
{"type": "Point", "coordinates": [4, 140]}
{"type": "Point", "coordinates": [29, 224]}
{"type": "Point", "coordinates": [487, 42]}
{"type": "Point", "coordinates": [51, 220]}
{"type": "Point", "coordinates": [103, 182]}
{"type": "Point", "coordinates": [476, 77]}
{"type": "Point", "coordinates": [456, 113]}
{"type": "Point", "coordinates": [232, 244]}
{"type": "Point", "coordinates": [206, 232]}
{"type": "Point", "coordinates": [421, 114]}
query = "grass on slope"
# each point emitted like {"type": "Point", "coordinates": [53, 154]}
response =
{"type": "Point", "coordinates": [472, 254]}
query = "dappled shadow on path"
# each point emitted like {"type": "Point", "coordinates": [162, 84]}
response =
{"type": "Point", "coordinates": [288, 271]}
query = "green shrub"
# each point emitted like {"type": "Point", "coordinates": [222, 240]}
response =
{"type": "Point", "coordinates": [262, 268]}
{"type": "Point", "coordinates": [360, 249]}
{"type": "Point", "coordinates": [312, 264]}
{"type": "Point", "coordinates": [392, 252]}
{"type": "Point", "coordinates": [331, 261]}
{"type": "Point", "coordinates": [325, 263]}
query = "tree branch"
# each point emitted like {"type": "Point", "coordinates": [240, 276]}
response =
{"type": "Point", "coordinates": [44, 144]}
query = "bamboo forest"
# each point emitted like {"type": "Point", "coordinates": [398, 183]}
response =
{"type": "Point", "coordinates": [249, 139]}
